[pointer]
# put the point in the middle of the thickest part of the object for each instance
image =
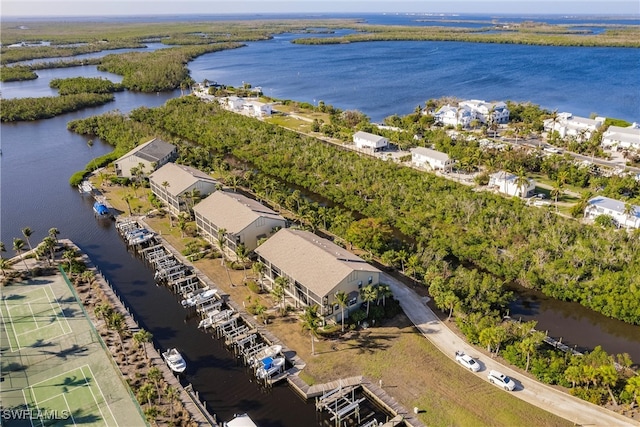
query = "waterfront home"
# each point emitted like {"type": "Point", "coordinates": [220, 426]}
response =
{"type": "Point", "coordinates": [453, 116]}
{"type": "Point", "coordinates": [507, 183]}
{"type": "Point", "coordinates": [233, 103]}
{"type": "Point", "coordinates": [236, 219]}
{"type": "Point", "coordinates": [180, 187]}
{"type": "Point", "coordinates": [622, 137]}
{"type": "Point", "coordinates": [256, 108]}
{"type": "Point", "coordinates": [146, 157]}
{"type": "Point", "coordinates": [315, 270]}
{"type": "Point", "coordinates": [568, 125]}
{"type": "Point", "coordinates": [624, 214]}
{"type": "Point", "coordinates": [370, 141]}
{"type": "Point", "coordinates": [487, 112]}
{"type": "Point", "coordinates": [435, 160]}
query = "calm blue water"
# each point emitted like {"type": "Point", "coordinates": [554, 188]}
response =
{"type": "Point", "coordinates": [379, 79]}
{"type": "Point", "coordinates": [385, 78]}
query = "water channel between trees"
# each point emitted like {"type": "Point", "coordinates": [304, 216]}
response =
{"type": "Point", "coordinates": [39, 157]}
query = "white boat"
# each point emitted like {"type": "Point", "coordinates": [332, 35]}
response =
{"type": "Point", "coordinates": [242, 420]}
{"type": "Point", "coordinates": [269, 367]}
{"type": "Point", "coordinates": [142, 238]}
{"type": "Point", "coordinates": [198, 298]}
{"type": "Point", "coordinates": [175, 360]}
{"type": "Point", "coordinates": [214, 317]}
{"type": "Point", "coordinates": [271, 351]}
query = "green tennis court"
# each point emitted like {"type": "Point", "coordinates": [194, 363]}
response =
{"type": "Point", "coordinates": [74, 395]}
{"type": "Point", "coordinates": [32, 316]}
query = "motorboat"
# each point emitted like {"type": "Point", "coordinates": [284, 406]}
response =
{"type": "Point", "coordinates": [268, 352]}
{"type": "Point", "coordinates": [142, 238]}
{"type": "Point", "coordinates": [270, 366]}
{"type": "Point", "coordinates": [175, 360]}
{"type": "Point", "coordinates": [214, 317]}
{"type": "Point", "coordinates": [198, 298]}
{"type": "Point", "coordinates": [100, 209]}
{"type": "Point", "coordinates": [241, 420]}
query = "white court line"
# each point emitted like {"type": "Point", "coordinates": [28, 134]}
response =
{"type": "Point", "coordinates": [52, 299]}
{"type": "Point", "coordinates": [28, 407]}
{"type": "Point", "coordinates": [70, 413]}
{"type": "Point", "coordinates": [12, 328]}
{"type": "Point", "coordinates": [94, 396]}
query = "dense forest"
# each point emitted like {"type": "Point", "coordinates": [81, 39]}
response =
{"type": "Point", "coordinates": [445, 221]}
{"type": "Point", "coordinates": [75, 85]}
{"type": "Point", "coordinates": [27, 109]}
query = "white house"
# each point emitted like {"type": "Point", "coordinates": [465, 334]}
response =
{"type": "Point", "coordinates": [507, 183]}
{"type": "Point", "coordinates": [316, 269]}
{"type": "Point", "coordinates": [257, 108]}
{"type": "Point", "coordinates": [243, 220]}
{"type": "Point", "coordinates": [617, 136]}
{"type": "Point", "coordinates": [487, 112]}
{"type": "Point", "coordinates": [368, 140]}
{"type": "Point", "coordinates": [568, 125]}
{"type": "Point", "coordinates": [148, 156]}
{"type": "Point", "coordinates": [624, 214]}
{"type": "Point", "coordinates": [454, 116]}
{"type": "Point", "coordinates": [233, 103]}
{"type": "Point", "coordinates": [436, 160]}
{"type": "Point", "coordinates": [180, 187]}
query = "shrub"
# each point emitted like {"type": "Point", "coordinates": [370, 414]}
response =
{"type": "Point", "coordinates": [253, 286]}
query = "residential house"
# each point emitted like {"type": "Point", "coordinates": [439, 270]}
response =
{"type": "Point", "coordinates": [568, 125]}
{"type": "Point", "coordinates": [624, 214]}
{"type": "Point", "coordinates": [435, 160]}
{"type": "Point", "coordinates": [507, 183]}
{"type": "Point", "coordinates": [316, 269]}
{"type": "Point", "coordinates": [180, 187]}
{"type": "Point", "coordinates": [148, 157]}
{"type": "Point", "coordinates": [257, 108]}
{"type": "Point", "coordinates": [453, 116]}
{"type": "Point", "coordinates": [487, 112]}
{"type": "Point", "coordinates": [233, 103]}
{"type": "Point", "coordinates": [622, 137]}
{"type": "Point", "coordinates": [244, 220]}
{"type": "Point", "coordinates": [368, 140]}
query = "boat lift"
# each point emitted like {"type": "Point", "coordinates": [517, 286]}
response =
{"type": "Point", "coordinates": [338, 403]}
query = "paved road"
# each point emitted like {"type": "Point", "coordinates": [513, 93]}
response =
{"type": "Point", "coordinates": [561, 404]}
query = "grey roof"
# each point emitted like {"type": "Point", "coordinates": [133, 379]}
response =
{"type": "Point", "coordinates": [613, 204]}
{"type": "Point", "coordinates": [438, 155]}
{"type": "Point", "coordinates": [232, 211]}
{"type": "Point", "coordinates": [368, 136]}
{"type": "Point", "coordinates": [179, 177]}
{"type": "Point", "coordinates": [628, 134]}
{"type": "Point", "coordinates": [316, 263]}
{"type": "Point", "coordinates": [153, 150]}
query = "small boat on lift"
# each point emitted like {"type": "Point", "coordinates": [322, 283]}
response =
{"type": "Point", "coordinates": [198, 298]}
{"type": "Point", "coordinates": [269, 367]}
{"type": "Point", "coordinates": [269, 352]}
{"type": "Point", "coordinates": [100, 209]}
{"type": "Point", "coordinates": [175, 360]}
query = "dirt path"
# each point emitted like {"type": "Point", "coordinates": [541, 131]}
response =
{"type": "Point", "coordinates": [561, 404]}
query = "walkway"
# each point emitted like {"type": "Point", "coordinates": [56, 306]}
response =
{"type": "Point", "coordinates": [561, 404]}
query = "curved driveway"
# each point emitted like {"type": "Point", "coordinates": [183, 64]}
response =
{"type": "Point", "coordinates": [561, 404]}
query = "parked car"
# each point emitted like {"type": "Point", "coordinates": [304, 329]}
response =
{"type": "Point", "coordinates": [467, 361]}
{"type": "Point", "coordinates": [501, 380]}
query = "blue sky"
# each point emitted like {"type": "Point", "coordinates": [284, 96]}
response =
{"type": "Point", "coordinates": [33, 8]}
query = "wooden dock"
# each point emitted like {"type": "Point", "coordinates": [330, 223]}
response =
{"type": "Point", "coordinates": [196, 409]}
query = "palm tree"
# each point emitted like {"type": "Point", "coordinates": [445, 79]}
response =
{"type": "Point", "coordinates": [521, 181]}
{"type": "Point", "coordinates": [573, 374]}
{"type": "Point", "coordinates": [49, 244]}
{"type": "Point", "coordinates": [311, 323]}
{"type": "Point", "coordinates": [127, 199]}
{"type": "Point", "coordinates": [342, 298]}
{"type": "Point", "coordinates": [146, 394]}
{"type": "Point", "coordinates": [384, 292]}
{"type": "Point", "coordinates": [182, 223]}
{"type": "Point", "coordinates": [70, 256]}
{"type": "Point", "coordinates": [18, 246]}
{"type": "Point", "coordinates": [529, 345]}
{"type": "Point", "coordinates": [368, 294]}
{"type": "Point", "coordinates": [279, 290]}
{"type": "Point", "coordinates": [4, 265]}
{"type": "Point", "coordinates": [116, 322]}
{"type": "Point", "coordinates": [141, 338]}
{"type": "Point", "coordinates": [173, 395]}
{"type": "Point", "coordinates": [27, 232]}
{"type": "Point", "coordinates": [556, 191]}
{"type": "Point", "coordinates": [54, 232]}
{"type": "Point", "coordinates": [222, 232]}
{"type": "Point", "coordinates": [243, 255]}
{"type": "Point", "coordinates": [258, 269]}
{"type": "Point", "coordinates": [629, 211]}
{"type": "Point", "coordinates": [155, 375]}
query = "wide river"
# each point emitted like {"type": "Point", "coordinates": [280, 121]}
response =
{"type": "Point", "coordinates": [379, 79]}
